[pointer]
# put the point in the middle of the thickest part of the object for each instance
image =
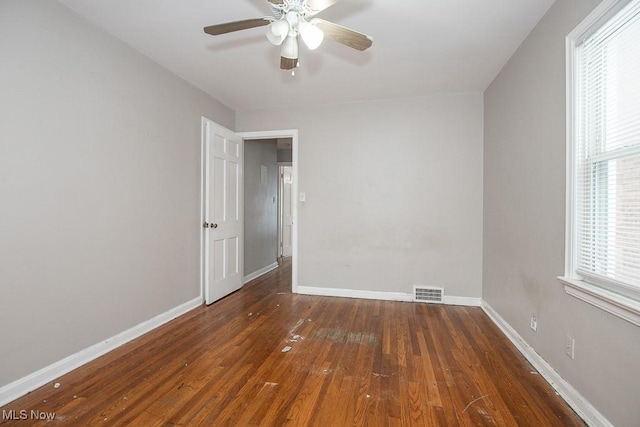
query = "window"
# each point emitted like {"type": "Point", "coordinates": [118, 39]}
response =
{"type": "Point", "coordinates": [603, 154]}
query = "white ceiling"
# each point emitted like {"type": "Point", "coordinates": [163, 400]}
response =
{"type": "Point", "coordinates": [419, 47]}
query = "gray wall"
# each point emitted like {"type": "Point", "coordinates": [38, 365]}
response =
{"type": "Point", "coordinates": [402, 202]}
{"type": "Point", "coordinates": [260, 212]}
{"type": "Point", "coordinates": [524, 224]}
{"type": "Point", "coordinates": [99, 186]}
{"type": "Point", "coordinates": [285, 155]}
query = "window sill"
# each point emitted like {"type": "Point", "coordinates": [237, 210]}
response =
{"type": "Point", "coordinates": [618, 305]}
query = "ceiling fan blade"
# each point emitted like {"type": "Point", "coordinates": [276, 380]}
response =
{"type": "Point", "coordinates": [344, 35]}
{"type": "Point", "coordinates": [320, 5]}
{"type": "Point", "coordinates": [230, 27]}
{"type": "Point", "coordinates": [276, 1]}
{"type": "Point", "coordinates": [288, 63]}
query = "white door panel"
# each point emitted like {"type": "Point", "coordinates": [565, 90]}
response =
{"type": "Point", "coordinates": [223, 212]}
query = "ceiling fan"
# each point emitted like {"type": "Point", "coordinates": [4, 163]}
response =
{"type": "Point", "coordinates": [292, 20]}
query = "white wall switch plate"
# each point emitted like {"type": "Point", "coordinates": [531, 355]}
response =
{"type": "Point", "coordinates": [570, 347]}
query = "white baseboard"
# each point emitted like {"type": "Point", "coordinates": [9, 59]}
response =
{"type": "Point", "coordinates": [578, 403]}
{"type": "Point", "coordinates": [352, 293]}
{"type": "Point", "coordinates": [466, 301]}
{"type": "Point", "coordinates": [385, 296]}
{"type": "Point", "coordinates": [18, 388]}
{"type": "Point", "coordinates": [256, 274]}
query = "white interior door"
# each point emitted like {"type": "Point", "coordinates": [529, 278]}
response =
{"type": "Point", "coordinates": [223, 220]}
{"type": "Point", "coordinates": [287, 210]}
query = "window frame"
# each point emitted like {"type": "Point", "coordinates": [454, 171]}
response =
{"type": "Point", "coordinates": [604, 296]}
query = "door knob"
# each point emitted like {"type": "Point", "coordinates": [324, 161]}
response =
{"type": "Point", "coordinates": [214, 225]}
{"type": "Point", "coordinates": [205, 224]}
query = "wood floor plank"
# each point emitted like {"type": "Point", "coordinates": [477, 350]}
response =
{"type": "Point", "coordinates": [351, 362]}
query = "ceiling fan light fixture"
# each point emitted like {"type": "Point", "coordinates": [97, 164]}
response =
{"type": "Point", "coordinates": [290, 47]}
{"type": "Point", "coordinates": [277, 32]}
{"type": "Point", "coordinates": [293, 20]}
{"type": "Point", "coordinates": [311, 35]}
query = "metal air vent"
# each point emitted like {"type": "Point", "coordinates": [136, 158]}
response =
{"type": "Point", "coordinates": [428, 294]}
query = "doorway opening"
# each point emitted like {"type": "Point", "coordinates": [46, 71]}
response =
{"type": "Point", "coordinates": [270, 214]}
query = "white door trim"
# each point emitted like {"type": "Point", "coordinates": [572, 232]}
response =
{"type": "Point", "coordinates": [293, 134]}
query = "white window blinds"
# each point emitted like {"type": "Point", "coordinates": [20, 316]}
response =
{"type": "Point", "coordinates": [607, 192]}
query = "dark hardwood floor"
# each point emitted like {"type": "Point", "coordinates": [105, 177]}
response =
{"type": "Point", "coordinates": [349, 362]}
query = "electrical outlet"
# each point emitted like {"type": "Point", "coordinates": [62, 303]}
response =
{"type": "Point", "coordinates": [570, 347]}
{"type": "Point", "coordinates": [534, 323]}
